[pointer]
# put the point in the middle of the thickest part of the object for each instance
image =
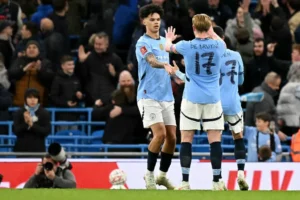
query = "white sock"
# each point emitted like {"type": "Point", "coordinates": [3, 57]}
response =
{"type": "Point", "coordinates": [241, 173]}
{"type": "Point", "coordinates": [161, 173]}
{"type": "Point", "coordinates": [149, 172]}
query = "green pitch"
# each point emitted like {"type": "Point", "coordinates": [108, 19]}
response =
{"type": "Point", "coordinates": [60, 194]}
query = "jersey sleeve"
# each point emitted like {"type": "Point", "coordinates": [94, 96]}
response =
{"type": "Point", "coordinates": [241, 69]}
{"type": "Point", "coordinates": [142, 49]}
{"type": "Point", "coordinates": [182, 47]}
{"type": "Point", "coordinates": [278, 148]}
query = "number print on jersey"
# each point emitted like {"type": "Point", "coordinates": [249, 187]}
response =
{"type": "Point", "coordinates": [221, 77]}
{"type": "Point", "coordinates": [197, 63]}
{"type": "Point", "coordinates": [232, 72]}
{"type": "Point", "coordinates": [207, 65]}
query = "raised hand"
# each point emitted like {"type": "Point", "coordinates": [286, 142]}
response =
{"type": "Point", "coordinates": [170, 34]}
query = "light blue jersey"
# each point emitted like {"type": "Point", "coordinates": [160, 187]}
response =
{"type": "Point", "coordinates": [154, 83]}
{"type": "Point", "coordinates": [232, 75]}
{"type": "Point", "coordinates": [250, 133]}
{"type": "Point", "coordinates": [202, 62]}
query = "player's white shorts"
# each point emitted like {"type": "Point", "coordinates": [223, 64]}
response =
{"type": "Point", "coordinates": [211, 116]}
{"type": "Point", "coordinates": [235, 122]}
{"type": "Point", "coordinates": [153, 112]}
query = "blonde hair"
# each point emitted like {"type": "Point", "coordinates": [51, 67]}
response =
{"type": "Point", "coordinates": [202, 22]}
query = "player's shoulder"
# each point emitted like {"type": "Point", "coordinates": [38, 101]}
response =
{"type": "Point", "coordinates": [142, 40]}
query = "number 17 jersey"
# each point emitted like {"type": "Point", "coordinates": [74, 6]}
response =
{"type": "Point", "coordinates": [202, 59]}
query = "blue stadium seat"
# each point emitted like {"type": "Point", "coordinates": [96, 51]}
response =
{"type": "Point", "coordinates": [99, 133]}
{"type": "Point", "coordinates": [68, 133]}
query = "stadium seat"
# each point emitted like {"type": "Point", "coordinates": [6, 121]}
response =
{"type": "Point", "coordinates": [99, 133]}
{"type": "Point", "coordinates": [68, 133]}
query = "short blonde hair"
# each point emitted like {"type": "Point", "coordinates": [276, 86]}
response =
{"type": "Point", "coordinates": [202, 22]}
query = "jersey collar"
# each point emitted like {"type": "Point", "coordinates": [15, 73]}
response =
{"type": "Point", "coordinates": [151, 37]}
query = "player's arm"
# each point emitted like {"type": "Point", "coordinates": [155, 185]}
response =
{"type": "Point", "coordinates": [153, 62]}
{"type": "Point", "coordinates": [170, 37]}
{"type": "Point", "coordinates": [178, 73]}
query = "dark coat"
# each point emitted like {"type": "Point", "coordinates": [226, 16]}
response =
{"type": "Point", "coordinates": [32, 139]}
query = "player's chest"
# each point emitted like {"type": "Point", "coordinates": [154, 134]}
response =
{"type": "Point", "coordinates": [158, 50]}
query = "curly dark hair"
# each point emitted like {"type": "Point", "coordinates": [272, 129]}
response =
{"type": "Point", "coordinates": [150, 9]}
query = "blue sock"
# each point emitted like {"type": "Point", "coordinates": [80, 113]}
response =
{"type": "Point", "coordinates": [185, 160]}
{"type": "Point", "coordinates": [240, 153]}
{"type": "Point", "coordinates": [216, 160]}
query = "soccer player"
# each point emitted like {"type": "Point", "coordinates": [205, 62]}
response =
{"type": "Point", "coordinates": [201, 97]}
{"type": "Point", "coordinates": [155, 97]}
{"type": "Point", "coordinates": [232, 75]}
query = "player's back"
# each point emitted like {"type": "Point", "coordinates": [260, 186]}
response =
{"type": "Point", "coordinates": [154, 83]}
{"type": "Point", "coordinates": [231, 76]}
{"type": "Point", "coordinates": [202, 60]}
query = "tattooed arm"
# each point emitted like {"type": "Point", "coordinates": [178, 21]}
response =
{"type": "Point", "coordinates": [154, 62]}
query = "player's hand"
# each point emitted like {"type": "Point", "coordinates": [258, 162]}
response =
{"type": "Point", "coordinates": [178, 81]}
{"type": "Point", "coordinates": [38, 169]}
{"type": "Point", "coordinates": [79, 95]}
{"type": "Point", "coordinates": [72, 104]}
{"type": "Point", "coordinates": [175, 67]}
{"type": "Point", "coordinates": [170, 34]}
{"type": "Point", "coordinates": [169, 69]}
{"type": "Point", "coordinates": [98, 102]}
{"type": "Point", "coordinates": [82, 55]}
{"type": "Point", "coordinates": [111, 69]}
{"type": "Point", "coordinates": [50, 174]}
{"type": "Point", "coordinates": [115, 112]}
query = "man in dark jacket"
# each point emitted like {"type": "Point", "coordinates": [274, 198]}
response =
{"type": "Point", "coordinates": [124, 111]}
{"type": "Point", "coordinates": [100, 72]}
{"type": "Point", "coordinates": [66, 89]}
{"type": "Point", "coordinates": [31, 124]}
{"type": "Point", "coordinates": [54, 43]}
{"type": "Point", "coordinates": [270, 88]}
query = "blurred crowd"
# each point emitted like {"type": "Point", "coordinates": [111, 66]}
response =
{"type": "Point", "coordinates": [81, 53]}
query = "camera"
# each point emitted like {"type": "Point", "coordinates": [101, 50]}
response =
{"type": "Point", "coordinates": [58, 154]}
{"type": "Point", "coordinates": [48, 166]}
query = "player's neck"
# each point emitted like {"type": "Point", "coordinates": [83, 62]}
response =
{"type": "Point", "coordinates": [153, 35]}
{"type": "Point", "coordinates": [201, 35]}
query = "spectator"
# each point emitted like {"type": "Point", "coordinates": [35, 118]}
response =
{"type": "Point", "coordinates": [244, 45]}
{"type": "Point", "coordinates": [260, 136]}
{"type": "Point", "coordinates": [297, 35]}
{"type": "Point", "coordinates": [219, 12]}
{"type": "Point", "coordinates": [5, 97]}
{"type": "Point", "coordinates": [294, 21]}
{"type": "Point", "coordinates": [270, 89]}
{"type": "Point", "coordinates": [281, 66]}
{"type": "Point", "coordinates": [60, 21]}
{"type": "Point", "coordinates": [100, 72]}
{"type": "Point", "coordinates": [28, 8]}
{"type": "Point", "coordinates": [54, 43]}
{"type": "Point", "coordinates": [31, 124]}
{"type": "Point", "coordinates": [280, 34]}
{"type": "Point", "coordinates": [11, 11]}
{"type": "Point", "coordinates": [243, 19]}
{"type": "Point", "coordinates": [29, 32]}
{"type": "Point", "coordinates": [288, 107]}
{"type": "Point", "coordinates": [43, 10]}
{"type": "Point", "coordinates": [66, 90]}
{"type": "Point", "coordinates": [56, 177]}
{"type": "Point", "coordinates": [122, 112]}
{"type": "Point", "coordinates": [77, 11]}
{"type": "Point", "coordinates": [6, 46]}
{"type": "Point", "coordinates": [31, 71]}
{"type": "Point", "coordinates": [265, 11]}
{"type": "Point", "coordinates": [258, 67]}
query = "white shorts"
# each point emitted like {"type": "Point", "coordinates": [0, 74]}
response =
{"type": "Point", "coordinates": [235, 122]}
{"type": "Point", "coordinates": [211, 116]}
{"type": "Point", "coordinates": [153, 112]}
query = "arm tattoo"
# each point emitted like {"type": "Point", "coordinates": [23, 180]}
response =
{"type": "Point", "coordinates": [153, 62]}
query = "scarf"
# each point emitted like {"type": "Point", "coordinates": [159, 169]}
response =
{"type": "Point", "coordinates": [32, 110]}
